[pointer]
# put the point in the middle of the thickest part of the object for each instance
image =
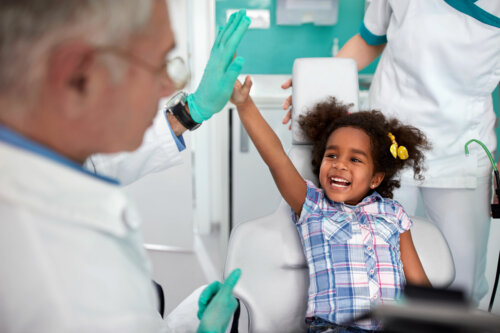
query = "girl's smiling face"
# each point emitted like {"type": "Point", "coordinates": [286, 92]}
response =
{"type": "Point", "coordinates": [347, 171]}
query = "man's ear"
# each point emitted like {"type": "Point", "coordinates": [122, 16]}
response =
{"type": "Point", "coordinates": [69, 70]}
{"type": "Point", "coordinates": [377, 178]}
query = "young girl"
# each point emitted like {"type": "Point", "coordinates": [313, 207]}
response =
{"type": "Point", "coordinates": [356, 239]}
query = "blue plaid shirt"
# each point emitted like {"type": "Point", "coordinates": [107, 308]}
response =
{"type": "Point", "coordinates": [352, 253]}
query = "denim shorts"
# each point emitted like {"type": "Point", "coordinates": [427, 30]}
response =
{"type": "Point", "coordinates": [317, 325]}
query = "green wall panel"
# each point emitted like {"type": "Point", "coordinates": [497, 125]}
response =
{"type": "Point", "coordinates": [273, 50]}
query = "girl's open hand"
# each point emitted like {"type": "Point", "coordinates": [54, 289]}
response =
{"type": "Point", "coordinates": [241, 92]}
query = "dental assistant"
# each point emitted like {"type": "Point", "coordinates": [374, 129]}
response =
{"type": "Point", "coordinates": [79, 78]}
{"type": "Point", "coordinates": [440, 64]}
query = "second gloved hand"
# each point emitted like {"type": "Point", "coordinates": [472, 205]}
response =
{"type": "Point", "coordinates": [217, 305]}
{"type": "Point", "coordinates": [221, 71]}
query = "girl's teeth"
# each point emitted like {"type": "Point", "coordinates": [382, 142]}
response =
{"type": "Point", "coordinates": [339, 181]}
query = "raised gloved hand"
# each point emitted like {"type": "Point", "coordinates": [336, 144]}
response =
{"type": "Point", "coordinates": [217, 305]}
{"type": "Point", "coordinates": [221, 71]}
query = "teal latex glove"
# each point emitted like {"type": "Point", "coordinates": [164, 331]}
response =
{"type": "Point", "coordinates": [217, 305]}
{"type": "Point", "coordinates": [221, 71]}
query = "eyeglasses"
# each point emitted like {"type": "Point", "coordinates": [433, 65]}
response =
{"type": "Point", "coordinates": [173, 69]}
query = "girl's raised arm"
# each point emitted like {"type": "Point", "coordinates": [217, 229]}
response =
{"type": "Point", "coordinates": [290, 183]}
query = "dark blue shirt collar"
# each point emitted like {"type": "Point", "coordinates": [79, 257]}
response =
{"type": "Point", "coordinates": [17, 140]}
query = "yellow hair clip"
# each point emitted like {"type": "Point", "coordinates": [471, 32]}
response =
{"type": "Point", "coordinates": [396, 151]}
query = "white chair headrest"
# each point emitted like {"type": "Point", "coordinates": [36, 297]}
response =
{"type": "Point", "coordinates": [314, 80]}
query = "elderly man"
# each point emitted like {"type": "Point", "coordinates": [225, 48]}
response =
{"type": "Point", "coordinates": [79, 78]}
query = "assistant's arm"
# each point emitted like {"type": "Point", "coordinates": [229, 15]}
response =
{"type": "Point", "coordinates": [371, 40]}
{"type": "Point", "coordinates": [358, 49]}
{"type": "Point", "coordinates": [288, 180]}
{"type": "Point", "coordinates": [412, 267]}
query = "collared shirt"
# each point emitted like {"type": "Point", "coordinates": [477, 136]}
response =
{"type": "Point", "coordinates": [352, 253]}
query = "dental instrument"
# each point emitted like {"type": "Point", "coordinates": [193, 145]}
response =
{"type": "Point", "coordinates": [495, 209]}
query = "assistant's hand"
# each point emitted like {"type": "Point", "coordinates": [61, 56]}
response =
{"type": "Point", "coordinates": [217, 305]}
{"type": "Point", "coordinates": [221, 71]}
{"type": "Point", "coordinates": [287, 104]}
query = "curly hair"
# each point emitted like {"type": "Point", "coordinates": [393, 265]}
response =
{"type": "Point", "coordinates": [324, 118]}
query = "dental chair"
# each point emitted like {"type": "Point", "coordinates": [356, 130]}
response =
{"type": "Point", "coordinates": [274, 281]}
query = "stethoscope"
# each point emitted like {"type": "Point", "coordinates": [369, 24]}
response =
{"type": "Point", "coordinates": [495, 209]}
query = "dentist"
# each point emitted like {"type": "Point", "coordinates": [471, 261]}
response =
{"type": "Point", "coordinates": [79, 78]}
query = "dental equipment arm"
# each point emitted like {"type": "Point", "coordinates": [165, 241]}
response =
{"type": "Point", "coordinates": [217, 305]}
{"type": "Point", "coordinates": [221, 71]}
{"type": "Point", "coordinates": [495, 207]}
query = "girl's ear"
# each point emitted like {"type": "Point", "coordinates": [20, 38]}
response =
{"type": "Point", "coordinates": [377, 179]}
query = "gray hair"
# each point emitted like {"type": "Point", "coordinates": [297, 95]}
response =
{"type": "Point", "coordinates": [29, 28]}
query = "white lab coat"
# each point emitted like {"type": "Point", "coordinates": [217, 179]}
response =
{"type": "Point", "coordinates": [72, 258]}
{"type": "Point", "coordinates": [157, 152]}
{"type": "Point", "coordinates": [438, 72]}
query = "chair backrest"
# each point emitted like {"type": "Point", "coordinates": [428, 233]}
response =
{"type": "Point", "coordinates": [274, 283]}
{"type": "Point", "coordinates": [433, 251]}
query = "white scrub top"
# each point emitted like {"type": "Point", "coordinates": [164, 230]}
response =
{"type": "Point", "coordinates": [437, 73]}
{"type": "Point", "coordinates": [160, 149]}
{"type": "Point", "coordinates": [71, 251]}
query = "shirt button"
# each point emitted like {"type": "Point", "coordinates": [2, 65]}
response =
{"type": "Point", "coordinates": [369, 248]}
{"type": "Point", "coordinates": [372, 271]}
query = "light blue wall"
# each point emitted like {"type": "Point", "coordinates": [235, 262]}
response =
{"type": "Point", "coordinates": [273, 50]}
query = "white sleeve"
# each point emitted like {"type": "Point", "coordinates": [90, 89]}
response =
{"type": "Point", "coordinates": [158, 152]}
{"type": "Point", "coordinates": [376, 21]}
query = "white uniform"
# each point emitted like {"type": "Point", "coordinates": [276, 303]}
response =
{"type": "Point", "coordinates": [71, 251]}
{"type": "Point", "coordinates": [437, 73]}
{"type": "Point", "coordinates": [160, 150]}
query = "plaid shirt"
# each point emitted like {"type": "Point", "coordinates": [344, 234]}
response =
{"type": "Point", "coordinates": [352, 253]}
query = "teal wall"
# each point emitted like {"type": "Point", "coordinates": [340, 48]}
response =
{"type": "Point", "coordinates": [273, 50]}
